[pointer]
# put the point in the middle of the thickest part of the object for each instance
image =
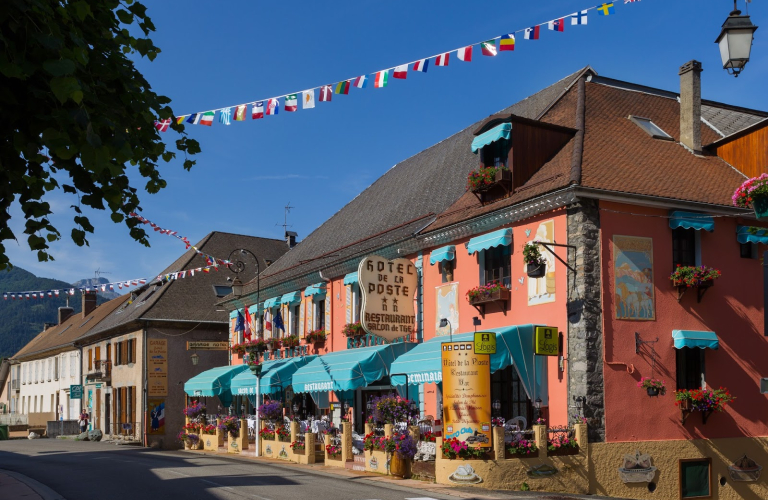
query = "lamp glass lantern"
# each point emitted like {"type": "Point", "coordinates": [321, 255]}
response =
{"type": "Point", "coordinates": [735, 41]}
{"type": "Point", "coordinates": [195, 359]}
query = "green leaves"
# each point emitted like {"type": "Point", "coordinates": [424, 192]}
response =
{"type": "Point", "coordinates": [66, 88]}
{"type": "Point", "coordinates": [61, 67]}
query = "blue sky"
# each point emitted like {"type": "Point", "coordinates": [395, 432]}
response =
{"type": "Point", "coordinates": [216, 54]}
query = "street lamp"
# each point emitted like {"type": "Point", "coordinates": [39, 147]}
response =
{"type": "Point", "coordinates": [537, 405]}
{"type": "Point", "coordinates": [195, 359]}
{"type": "Point", "coordinates": [735, 41]}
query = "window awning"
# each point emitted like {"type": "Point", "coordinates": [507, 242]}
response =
{"type": "Point", "coordinates": [441, 254]}
{"type": "Point", "coordinates": [691, 220]}
{"type": "Point", "coordinates": [270, 303]}
{"type": "Point", "coordinates": [748, 234]}
{"type": "Point", "coordinates": [291, 298]}
{"type": "Point", "coordinates": [348, 369]}
{"type": "Point", "coordinates": [692, 338]}
{"type": "Point", "coordinates": [316, 289]}
{"type": "Point", "coordinates": [214, 382]}
{"type": "Point", "coordinates": [498, 132]}
{"type": "Point", "coordinates": [501, 237]}
{"type": "Point", "coordinates": [350, 278]}
{"type": "Point", "coordinates": [275, 376]}
{"type": "Point", "coordinates": [514, 346]}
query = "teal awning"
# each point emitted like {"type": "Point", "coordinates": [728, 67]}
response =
{"type": "Point", "coordinates": [691, 220]}
{"type": "Point", "coordinates": [502, 237]}
{"type": "Point", "coordinates": [441, 254]}
{"type": "Point", "coordinates": [270, 303]}
{"type": "Point", "coordinates": [692, 338]}
{"type": "Point", "coordinates": [514, 346]}
{"type": "Point", "coordinates": [747, 234]}
{"type": "Point", "coordinates": [291, 298]}
{"type": "Point", "coordinates": [350, 278]}
{"type": "Point", "coordinates": [275, 376]}
{"type": "Point", "coordinates": [214, 382]}
{"type": "Point", "coordinates": [316, 289]}
{"type": "Point", "coordinates": [348, 369]}
{"type": "Point", "coordinates": [498, 132]}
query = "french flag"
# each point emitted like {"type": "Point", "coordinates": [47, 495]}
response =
{"type": "Point", "coordinates": [532, 33]}
{"type": "Point", "coordinates": [442, 60]}
{"type": "Point", "coordinates": [401, 72]}
{"type": "Point", "coordinates": [465, 54]}
{"type": "Point", "coordinates": [421, 65]}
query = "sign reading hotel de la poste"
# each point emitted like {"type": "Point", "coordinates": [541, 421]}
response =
{"type": "Point", "coordinates": [388, 288]}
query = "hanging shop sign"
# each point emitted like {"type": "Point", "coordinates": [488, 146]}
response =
{"type": "Point", "coordinates": [75, 392]}
{"type": "Point", "coordinates": [547, 341]}
{"type": "Point", "coordinates": [485, 343]}
{"type": "Point", "coordinates": [466, 394]}
{"type": "Point", "coordinates": [205, 345]}
{"type": "Point", "coordinates": [388, 287]}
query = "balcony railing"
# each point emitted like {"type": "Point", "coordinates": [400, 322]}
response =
{"type": "Point", "coordinates": [101, 372]}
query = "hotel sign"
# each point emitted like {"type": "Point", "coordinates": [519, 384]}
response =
{"type": "Point", "coordinates": [388, 287]}
{"type": "Point", "coordinates": [207, 345]}
{"type": "Point", "coordinates": [547, 341]}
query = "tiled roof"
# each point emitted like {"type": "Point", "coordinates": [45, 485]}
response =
{"type": "Point", "coordinates": [407, 192]}
{"type": "Point", "coordinates": [68, 332]}
{"type": "Point", "coordinates": [192, 299]}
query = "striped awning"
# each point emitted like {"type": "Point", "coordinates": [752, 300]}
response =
{"type": "Point", "coordinates": [291, 298]}
{"type": "Point", "coordinates": [692, 338]}
{"type": "Point", "coordinates": [441, 254]}
{"type": "Point", "coordinates": [748, 234]}
{"type": "Point", "coordinates": [691, 220]}
{"type": "Point", "coordinates": [316, 289]}
{"type": "Point", "coordinates": [270, 303]}
{"type": "Point", "coordinates": [502, 237]}
{"type": "Point", "coordinates": [350, 278]}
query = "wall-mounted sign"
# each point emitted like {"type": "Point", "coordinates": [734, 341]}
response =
{"type": "Point", "coordinates": [207, 345]}
{"type": "Point", "coordinates": [388, 287]}
{"type": "Point", "coordinates": [485, 343]}
{"type": "Point", "coordinates": [157, 368]}
{"type": "Point", "coordinates": [466, 394]}
{"type": "Point", "coordinates": [547, 341]}
{"type": "Point", "coordinates": [75, 392]}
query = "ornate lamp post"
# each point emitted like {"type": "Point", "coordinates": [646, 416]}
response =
{"type": "Point", "coordinates": [735, 41]}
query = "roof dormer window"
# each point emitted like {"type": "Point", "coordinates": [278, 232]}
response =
{"type": "Point", "coordinates": [650, 128]}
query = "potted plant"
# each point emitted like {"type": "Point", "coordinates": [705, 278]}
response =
{"type": "Point", "coordinates": [753, 193]}
{"type": "Point", "coordinates": [485, 178]}
{"type": "Point", "coordinates": [316, 337]}
{"type": "Point", "coordinates": [334, 451]}
{"type": "Point", "coordinates": [405, 450]}
{"type": "Point", "coordinates": [208, 430]}
{"type": "Point", "coordinates": [282, 434]}
{"type": "Point", "coordinates": [391, 409]}
{"type": "Point", "coordinates": [291, 341]}
{"type": "Point", "coordinates": [267, 433]}
{"type": "Point", "coordinates": [230, 425]}
{"type": "Point", "coordinates": [194, 410]}
{"type": "Point", "coordinates": [523, 448]}
{"type": "Point", "coordinates": [488, 293]}
{"type": "Point", "coordinates": [454, 448]}
{"type": "Point", "coordinates": [653, 387]}
{"type": "Point", "coordinates": [535, 265]}
{"type": "Point", "coordinates": [692, 276]}
{"type": "Point", "coordinates": [238, 349]}
{"type": "Point", "coordinates": [271, 411]}
{"type": "Point", "coordinates": [253, 363]}
{"type": "Point", "coordinates": [298, 447]}
{"type": "Point", "coordinates": [273, 344]}
{"type": "Point", "coordinates": [353, 330]}
{"type": "Point", "coordinates": [428, 437]}
{"type": "Point", "coordinates": [705, 401]}
{"type": "Point", "coordinates": [562, 444]}
{"type": "Point", "coordinates": [256, 345]}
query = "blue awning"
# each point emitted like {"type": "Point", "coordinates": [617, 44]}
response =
{"type": "Point", "coordinates": [214, 382]}
{"type": "Point", "coordinates": [291, 298]}
{"type": "Point", "coordinates": [485, 241]}
{"type": "Point", "coordinates": [691, 220]}
{"type": "Point", "coordinates": [350, 278]}
{"type": "Point", "coordinates": [270, 303]}
{"type": "Point", "coordinates": [498, 132]}
{"type": "Point", "coordinates": [441, 254]}
{"type": "Point", "coordinates": [275, 376]}
{"type": "Point", "coordinates": [692, 338]}
{"type": "Point", "coordinates": [348, 369]}
{"type": "Point", "coordinates": [316, 289]}
{"type": "Point", "coordinates": [748, 234]}
{"type": "Point", "coordinates": [514, 346]}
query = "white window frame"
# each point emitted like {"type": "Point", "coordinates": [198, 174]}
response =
{"type": "Point", "coordinates": [316, 313]}
{"type": "Point", "coordinates": [356, 303]}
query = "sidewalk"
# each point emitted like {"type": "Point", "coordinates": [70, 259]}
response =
{"type": "Point", "coordinates": [15, 485]}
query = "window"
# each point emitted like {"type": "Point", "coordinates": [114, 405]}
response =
{"type": "Point", "coordinates": [319, 315]}
{"type": "Point", "coordinates": [748, 250]}
{"type": "Point", "coordinates": [295, 315]}
{"type": "Point", "coordinates": [496, 154]}
{"type": "Point", "coordinates": [446, 270]}
{"type": "Point", "coordinates": [683, 247]}
{"type": "Point", "coordinates": [131, 348]}
{"type": "Point", "coordinates": [650, 128]}
{"type": "Point", "coordinates": [72, 371]}
{"type": "Point", "coordinates": [690, 368]}
{"type": "Point", "coordinates": [56, 368]}
{"type": "Point", "coordinates": [496, 265]}
{"type": "Point", "coordinates": [118, 353]}
{"type": "Point", "coordinates": [695, 478]}
{"type": "Point", "coordinates": [50, 370]}
{"type": "Point", "coordinates": [90, 360]}
{"type": "Point", "coordinates": [507, 388]}
{"type": "Point", "coordinates": [357, 302]}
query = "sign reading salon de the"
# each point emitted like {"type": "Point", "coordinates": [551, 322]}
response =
{"type": "Point", "coordinates": [388, 288]}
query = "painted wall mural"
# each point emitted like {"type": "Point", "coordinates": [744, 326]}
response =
{"type": "Point", "coordinates": [156, 416]}
{"type": "Point", "coordinates": [633, 278]}
{"type": "Point", "coordinates": [447, 307]}
{"type": "Point", "coordinates": [542, 290]}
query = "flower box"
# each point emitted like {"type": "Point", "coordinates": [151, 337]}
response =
{"type": "Point", "coordinates": [536, 270]}
{"type": "Point", "coordinates": [487, 178]}
{"type": "Point", "coordinates": [496, 295]}
{"type": "Point", "coordinates": [509, 456]}
{"type": "Point", "coordinates": [353, 330]}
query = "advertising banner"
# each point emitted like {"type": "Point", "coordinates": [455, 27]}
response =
{"type": "Point", "coordinates": [157, 368]}
{"type": "Point", "coordinates": [466, 394]}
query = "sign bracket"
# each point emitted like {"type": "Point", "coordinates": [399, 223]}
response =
{"type": "Point", "coordinates": [547, 245]}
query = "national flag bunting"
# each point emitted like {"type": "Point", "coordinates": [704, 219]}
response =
{"type": "Point", "coordinates": [273, 106]}
{"type": "Point", "coordinates": [507, 42]}
{"type": "Point", "coordinates": [240, 112]}
{"type": "Point", "coordinates": [257, 110]}
{"type": "Point", "coordinates": [360, 82]}
{"type": "Point", "coordinates": [556, 25]}
{"type": "Point", "coordinates": [606, 9]}
{"type": "Point", "coordinates": [162, 125]}
{"type": "Point", "coordinates": [325, 93]}
{"type": "Point", "coordinates": [291, 103]}
{"type": "Point", "coordinates": [442, 59]}
{"type": "Point", "coordinates": [630, 1]}
{"type": "Point", "coordinates": [207, 118]}
{"type": "Point", "coordinates": [194, 118]}
{"type": "Point", "coordinates": [225, 116]}
{"type": "Point", "coordinates": [180, 119]}
{"type": "Point", "coordinates": [380, 79]}
{"type": "Point", "coordinates": [488, 48]}
{"type": "Point", "coordinates": [579, 17]}
{"type": "Point", "coordinates": [421, 65]}
{"type": "Point", "coordinates": [308, 99]}
{"type": "Point", "coordinates": [465, 53]}
{"type": "Point", "coordinates": [401, 72]}
{"type": "Point", "coordinates": [532, 33]}
{"type": "Point", "coordinates": [342, 87]}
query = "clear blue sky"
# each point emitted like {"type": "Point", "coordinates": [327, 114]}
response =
{"type": "Point", "coordinates": [216, 54]}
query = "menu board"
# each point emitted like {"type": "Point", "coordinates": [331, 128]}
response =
{"type": "Point", "coordinates": [157, 368]}
{"type": "Point", "coordinates": [466, 394]}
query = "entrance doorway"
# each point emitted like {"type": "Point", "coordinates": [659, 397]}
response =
{"type": "Point", "coordinates": [107, 413]}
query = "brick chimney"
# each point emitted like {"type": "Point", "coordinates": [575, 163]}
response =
{"type": "Point", "coordinates": [89, 303]}
{"type": "Point", "coordinates": [65, 313]}
{"type": "Point", "coordinates": [690, 105]}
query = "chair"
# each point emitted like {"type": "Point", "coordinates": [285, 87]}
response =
{"type": "Point", "coordinates": [513, 429]}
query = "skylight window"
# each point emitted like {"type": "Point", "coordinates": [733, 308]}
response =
{"type": "Point", "coordinates": [86, 321]}
{"type": "Point", "coordinates": [650, 128]}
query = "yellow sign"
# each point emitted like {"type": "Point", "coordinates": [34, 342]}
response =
{"type": "Point", "coordinates": [466, 394]}
{"type": "Point", "coordinates": [207, 345]}
{"type": "Point", "coordinates": [485, 343]}
{"type": "Point", "coordinates": [157, 367]}
{"type": "Point", "coordinates": [547, 341]}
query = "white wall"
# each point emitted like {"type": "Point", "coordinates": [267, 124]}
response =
{"type": "Point", "coordinates": [41, 384]}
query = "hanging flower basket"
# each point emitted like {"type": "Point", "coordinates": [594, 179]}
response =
{"type": "Point", "coordinates": [536, 270]}
{"type": "Point", "coordinates": [753, 193]}
{"type": "Point", "coordinates": [653, 386]}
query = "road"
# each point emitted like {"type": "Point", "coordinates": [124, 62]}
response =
{"type": "Point", "coordinates": [98, 471]}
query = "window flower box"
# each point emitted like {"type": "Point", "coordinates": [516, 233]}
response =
{"type": "Point", "coordinates": [706, 401]}
{"type": "Point", "coordinates": [316, 337]}
{"type": "Point", "coordinates": [487, 178]}
{"type": "Point", "coordinates": [488, 293]}
{"type": "Point", "coordinates": [353, 330]}
{"type": "Point", "coordinates": [701, 278]}
{"type": "Point", "coordinates": [291, 341]}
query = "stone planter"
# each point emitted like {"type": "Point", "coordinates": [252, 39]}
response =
{"type": "Point", "coordinates": [210, 442]}
{"type": "Point", "coordinates": [536, 270]}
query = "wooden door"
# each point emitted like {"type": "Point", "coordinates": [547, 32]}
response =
{"type": "Point", "coordinates": [97, 410]}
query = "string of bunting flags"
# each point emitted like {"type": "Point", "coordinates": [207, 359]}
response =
{"type": "Point", "coordinates": [380, 79]}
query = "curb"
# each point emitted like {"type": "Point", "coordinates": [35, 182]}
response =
{"type": "Point", "coordinates": [44, 491]}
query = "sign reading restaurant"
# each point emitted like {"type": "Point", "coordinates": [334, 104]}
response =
{"type": "Point", "coordinates": [388, 287]}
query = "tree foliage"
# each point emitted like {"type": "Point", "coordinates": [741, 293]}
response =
{"type": "Point", "coordinates": [76, 114]}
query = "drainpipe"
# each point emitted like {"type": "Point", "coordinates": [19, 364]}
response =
{"type": "Point", "coordinates": [420, 298]}
{"type": "Point", "coordinates": [144, 383]}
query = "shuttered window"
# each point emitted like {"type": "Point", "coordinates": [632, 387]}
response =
{"type": "Point", "coordinates": [90, 360]}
